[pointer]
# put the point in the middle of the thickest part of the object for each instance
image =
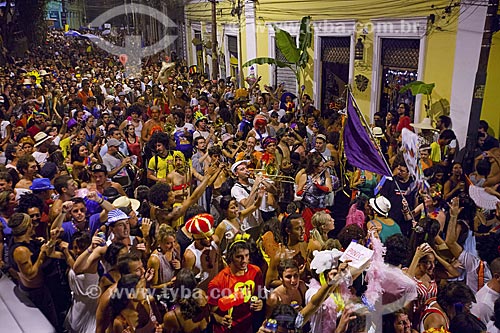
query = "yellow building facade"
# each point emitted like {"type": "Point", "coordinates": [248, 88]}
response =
{"type": "Point", "coordinates": [375, 46]}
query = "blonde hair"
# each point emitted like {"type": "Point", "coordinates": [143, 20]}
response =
{"type": "Point", "coordinates": [163, 232]}
{"type": "Point", "coordinates": [319, 219]}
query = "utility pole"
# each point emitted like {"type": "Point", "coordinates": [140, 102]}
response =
{"type": "Point", "coordinates": [480, 81]}
{"type": "Point", "coordinates": [215, 62]}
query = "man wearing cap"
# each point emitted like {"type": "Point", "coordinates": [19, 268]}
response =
{"type": "Point", "coordinates": [384, 225]}
{"type": "Point", "coordinates": [116, 166]}
{"type": "Point", "coordinates": [130, 207]}
{"type": "Point", "coordinates": [245, 191]}
{"type": "Point", "coordinates": [202, 256]}
{"type": "Point", "coordinates": [42, 144]}
{"type": "Point", "coordinates": [100, 178]}
{"type": "Point", "coordinates": [320, 147]}
{"type": "Point", "coordinates": [201, 128]}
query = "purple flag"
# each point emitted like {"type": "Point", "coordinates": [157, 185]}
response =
{"type": "Point", "coordinates": [359, 149]}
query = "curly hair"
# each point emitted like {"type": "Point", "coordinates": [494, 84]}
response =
{"type": "Point", "coordinates": [158, 193]}
{"type": "Point", "coordinates": [487, 247]}
{"type": "Point", "coordinates": [23, 163]}
{"type": "Point", "coordinates": [397, 250]}
{"type": "Point", "coordinates": [27, 201]}
{"type": "Point", "coordinates": [185, 280]}
{"type": "Point", "coordinates": [350, 233]}
{"type": "Point", "coordinates": [453, 293]}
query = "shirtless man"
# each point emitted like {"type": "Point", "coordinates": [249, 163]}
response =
{"type": "Point", "coordinates": [100, 178]}
{"type": "Point", "coordinates": [27, 256]}
{"type": "Point", "coordinates": [180, 178]}
{"type": "Point", "coordinates": [66, 187]}
{"type": "Point", "coordinates": [28, 169]}
{"type": "Point", "coordinates": [150, 125]}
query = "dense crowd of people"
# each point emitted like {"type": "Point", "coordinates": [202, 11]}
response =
{"type": "Point", "coordinates": [174, 203]}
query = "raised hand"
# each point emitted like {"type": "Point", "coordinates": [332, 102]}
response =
{"type": "Point", "coordinates": [92, 195]}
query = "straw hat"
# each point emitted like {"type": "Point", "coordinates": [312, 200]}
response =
{"type": "Point", "coordinates": [426, 124]}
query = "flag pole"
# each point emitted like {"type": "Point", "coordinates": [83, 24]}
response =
{"type": "Point", "coordinates": [362, 117]}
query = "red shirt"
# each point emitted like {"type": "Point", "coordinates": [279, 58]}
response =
{"type": "Point", "coordinates": [224, 284]}
{"type": "Point", "coordinates": [404, 122]}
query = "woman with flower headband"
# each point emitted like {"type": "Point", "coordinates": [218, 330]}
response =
{"type": "Point", "coordinates": [432, 207]}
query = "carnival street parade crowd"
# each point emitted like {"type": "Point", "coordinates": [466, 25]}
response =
{"type": "Point", "coordinates": [169, 202]}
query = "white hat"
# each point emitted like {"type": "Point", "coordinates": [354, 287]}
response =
{"type": "Point", "coordinates": [381, 205]}
{"type": "Point", "coordinates": [124, 201]}
{"type": "Point", "coordinates": [424, 124]}
{"type": "Point", "coordinates": [115, 215]}
{"type": "Point", "coordinates": [237, 164]}
{"type": "Point", "coordinates": [40, 138]}
{"type": "Point", "coordinates": [226, 137]}
{"type": "Point", "coordinates": [377, 132]}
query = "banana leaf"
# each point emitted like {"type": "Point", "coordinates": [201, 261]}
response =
{"type": "Point", "coordinates": [305, 40]}
{"type": "Point", "coordinates": [418, 87]}
{"type": "Point", "coordinates": [266, 61]}
{"type": "Point", "coordinates": [305, 36]}
{"type": "Point", "coordinates": [287, 45]}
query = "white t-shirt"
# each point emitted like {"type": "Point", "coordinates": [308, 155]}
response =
{"type": "Point", "coordinates": [3, 129]}
{"type": "Point", "coordinates": [471, 265]}
{"type": "Point", "coordinates": [240, 192]}
{"type": "Point", "coordinates": [187, 126]}
{"type": "Point", "coordinates": [41, 158]}
{"type": "Point", "coordinates": [483, 309]}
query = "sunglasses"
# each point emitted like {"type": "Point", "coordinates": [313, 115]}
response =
{"type": "Point", "coordinates": [35, 216]}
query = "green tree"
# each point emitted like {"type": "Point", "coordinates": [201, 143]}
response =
{"type": "Point", "coordinates": [297, 57]}
{"type": "Point", "coordinates": [31, 16]}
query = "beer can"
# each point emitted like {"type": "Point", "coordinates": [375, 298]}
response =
{"type": "Point", "coordinates": [272, 325]}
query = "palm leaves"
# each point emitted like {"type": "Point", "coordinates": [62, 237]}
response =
{"type": "Point", "coordinates": [297, 56]}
